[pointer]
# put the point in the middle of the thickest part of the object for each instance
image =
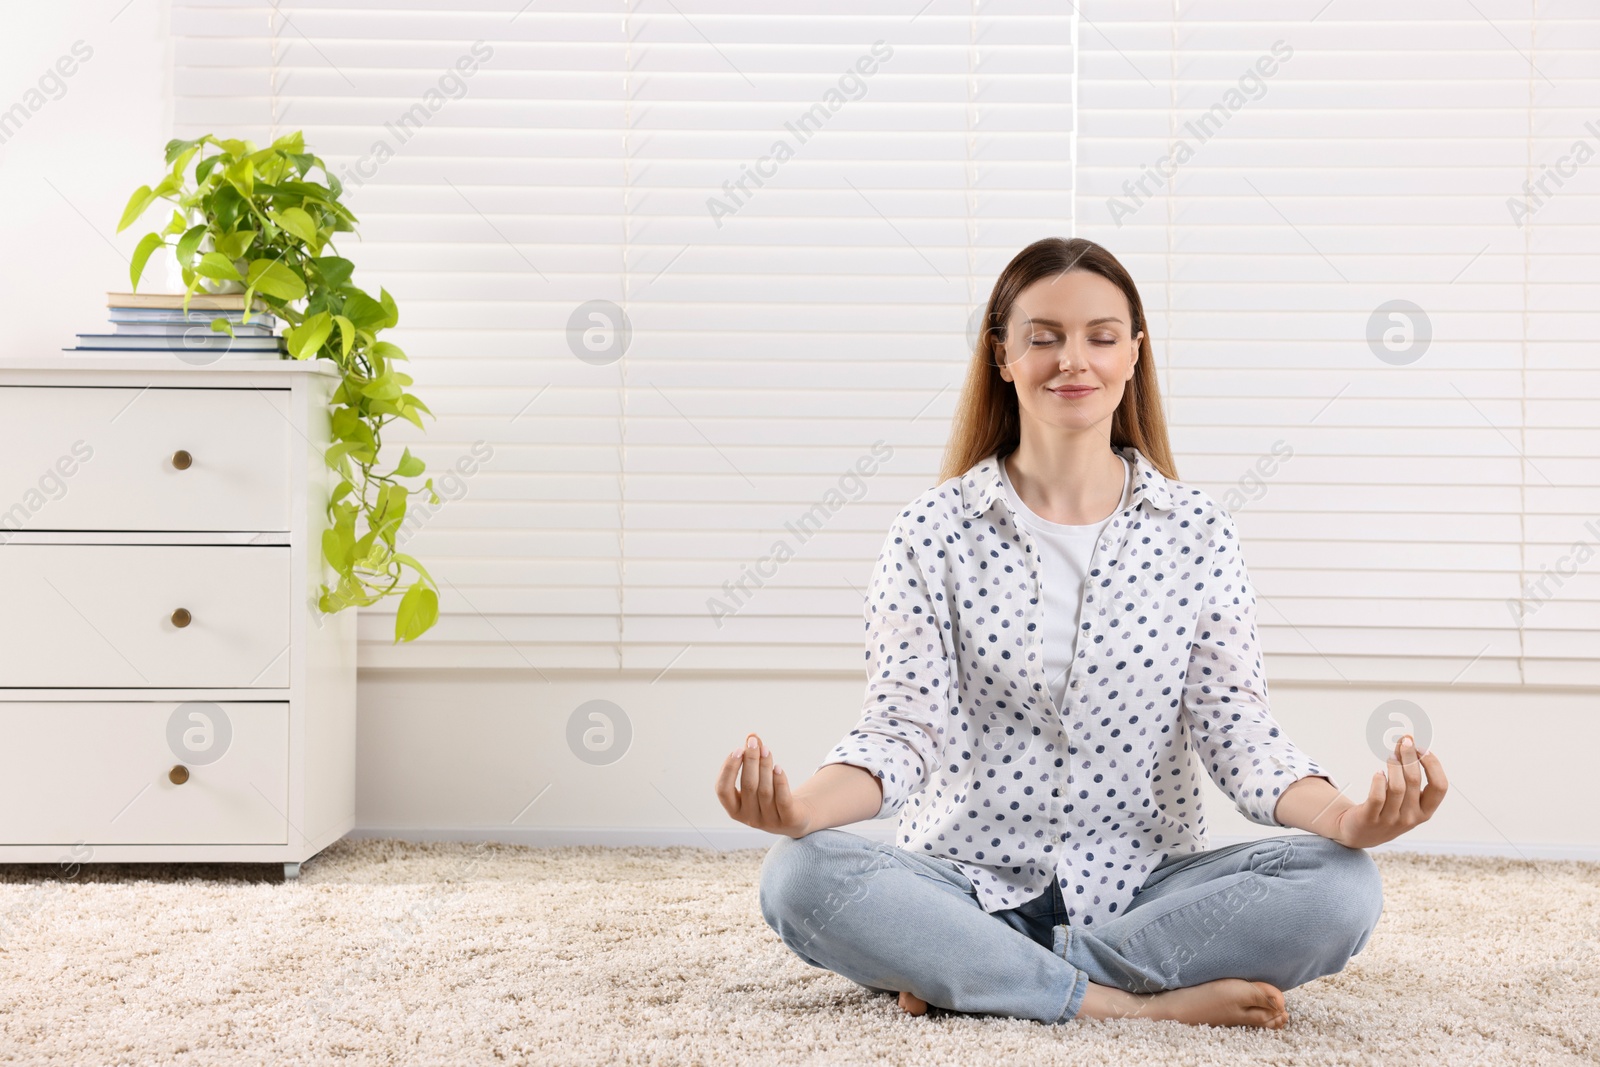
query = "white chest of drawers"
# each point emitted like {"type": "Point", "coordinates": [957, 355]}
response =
{"type": "Point", "coordinates": [169, 690]}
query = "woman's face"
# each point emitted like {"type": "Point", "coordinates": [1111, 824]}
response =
{"type": "Point", "coordinates": [1069, 330]}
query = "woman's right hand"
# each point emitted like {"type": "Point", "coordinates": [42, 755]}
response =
{"type": "Point", "coordinates": [762, 798]}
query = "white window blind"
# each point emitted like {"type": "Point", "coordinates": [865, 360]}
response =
{"type": "Point", "coordinates": [781, 328]}
{"type": "Point", "coordinates": [1380, 154]}
{"type": "Point", "coordinates": [776, 339]}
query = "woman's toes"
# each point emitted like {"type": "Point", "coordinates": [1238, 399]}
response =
{"type": "Point", "coordinates": [911, 1003]}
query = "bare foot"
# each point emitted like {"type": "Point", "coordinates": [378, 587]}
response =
{"type": "Point", "coordinates": [1224, 1002]}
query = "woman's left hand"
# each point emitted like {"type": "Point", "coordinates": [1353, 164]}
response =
{"type": "Point", "coordinates": [1397, 800]}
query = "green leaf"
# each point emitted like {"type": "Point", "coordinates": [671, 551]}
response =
{"type": "Point", "coordinates": [376, 408]}
{"type": "Point", "coordinates": [177, 225]}
{"type": "Point", "coordinates": [147, 244]}
{"type": "Point", "coordinates": [410, 466]}
{"type": "Point", "coordinates": [250, 303]}
{"type": "Point", "coordinates": [218, 266]}
{"type": "Point", "coordinates": [365, 312]}
{"type": "Point", "coordinates": [306, 339]}
{"type": "Point", "coordinates": [345, 515]}
{"type": "Point", "coordinates": [418, 611]}
{"type": "Point", "coordinates": [334, 457]}
{"type": "Point", "coordinates": [275, 279]}
{"type": "Point", "coordinates": [142, 198]}
{"type": "Point", "coordinates": [333, 549]}
{"type": "Point", "coordinates": [382, 388]}
{"type": "Point", "coordinates": [347, 425]}
{"type": "Point", "coordinates": [222, 326]}
{"type": "Point", "coordinates": [385, 350]}
{"type": "Point", "coordinates": [390, 310]}
{"type": "Point", "coordinates": [347, 333]}
{"type": "Point", "coordinates": [392, 512]}
{"type": "Point", "coordinates": [192, 281]}
{"type": "Point", "coordinates": [291, 142]}
{"type": "Point", "coordinates": [410, 561]}
{"type": "Point", "coordinates": [181, 164]}
{"type": "Point", "coordinates": [224, 208]}
{"type": "Point", "coordinates": [349, 592]}
{"type": "Point", "coordinates": [241, 174]}
{"type": "Point", "coordinates": [297, 222]}
{"type": "Point", "coordinates": [234, 245]}
{"type": "Point", "coordinates": [189, 243]}
{"type": "Point", "coordinates": [175, 148]}
{"type": "Point", "coordinates": [335, 271]}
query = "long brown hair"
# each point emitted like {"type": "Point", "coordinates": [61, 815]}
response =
{"type": "Point", "coordinates": [986, 420]}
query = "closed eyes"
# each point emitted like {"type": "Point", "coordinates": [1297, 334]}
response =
{"type": "Point", "coordinates": [1050, 342]}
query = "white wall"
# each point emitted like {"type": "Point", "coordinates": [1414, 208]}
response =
{"type": "Point", "coordinates": [67, 172]}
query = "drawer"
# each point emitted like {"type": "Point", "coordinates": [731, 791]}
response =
{"type": "Point", "coordinates": [98, 458]}
{"type": "Point", "coordinates": [100, 773]}
{"type": "Point", "coordinates": [91, 616]}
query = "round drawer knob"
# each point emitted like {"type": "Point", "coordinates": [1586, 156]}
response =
{"type": "Point", "coordinates": [182, 460]}
{"type": "Point", "coordinates": [182, 618]}
{"type": "Point", "coordinates": [179, 774]}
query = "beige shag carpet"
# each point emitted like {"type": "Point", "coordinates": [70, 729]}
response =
{"type": "Point", "coordinates": [386, 952]}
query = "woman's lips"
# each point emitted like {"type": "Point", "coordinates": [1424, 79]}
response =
{"type": "Point", "coordinates": [1072, 392]}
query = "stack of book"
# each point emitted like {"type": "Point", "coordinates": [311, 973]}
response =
{"type": "Point", "coordinates": [155, 323]}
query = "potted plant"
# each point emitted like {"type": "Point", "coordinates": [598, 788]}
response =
{"type": "Point", "coordinates": [255, 220]}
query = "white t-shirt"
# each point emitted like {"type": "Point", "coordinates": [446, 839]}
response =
{"type": "Point", "coordinates": [1064, 554]}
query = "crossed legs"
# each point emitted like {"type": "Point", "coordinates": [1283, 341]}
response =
{"type": "Point", "coordinates": [1220, 927]}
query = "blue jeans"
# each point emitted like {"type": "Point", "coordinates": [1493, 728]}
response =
{"type": "Point", "coordinates": [1283, 910]}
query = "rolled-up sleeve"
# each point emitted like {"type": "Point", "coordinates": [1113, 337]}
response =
{"type": "Point", "coordinates": [908, 704]}
{"type": "Point", "coordinates": [1225, 690]}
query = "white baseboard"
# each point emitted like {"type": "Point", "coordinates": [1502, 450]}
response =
{"type": "Point", "coordinates": [882, 830]}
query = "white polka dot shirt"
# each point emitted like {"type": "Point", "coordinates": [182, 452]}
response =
{"type": "Point", "coordinates": [962, 732]}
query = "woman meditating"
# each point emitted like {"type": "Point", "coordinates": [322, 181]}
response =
{"type": "Point", "coordinates": [1060, 637]}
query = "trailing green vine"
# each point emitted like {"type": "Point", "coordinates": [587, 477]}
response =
{"type": "Point", "coordinates": [254, 220]}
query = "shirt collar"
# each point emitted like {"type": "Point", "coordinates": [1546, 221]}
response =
{"type": "Point", "coordinates": [981, 484]}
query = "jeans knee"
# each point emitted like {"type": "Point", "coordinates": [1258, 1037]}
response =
{"type": "Point", "coordinates": [1351, 888]}
{"type": "Point", "coordinates": [793, 872]}
{"type": "Point", "coordinates": [1366, 892]}
{"type": "Point", "coordinates": [775, 874]}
